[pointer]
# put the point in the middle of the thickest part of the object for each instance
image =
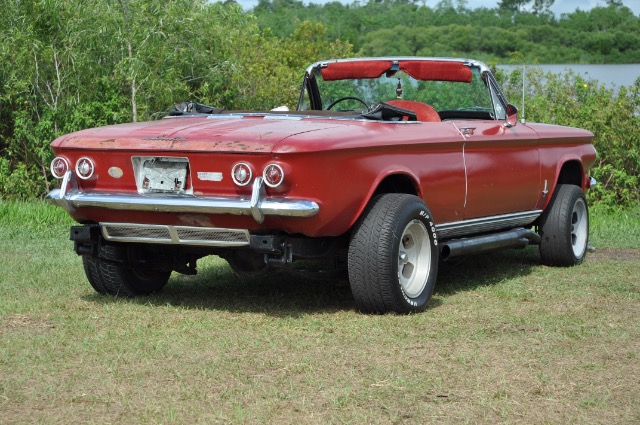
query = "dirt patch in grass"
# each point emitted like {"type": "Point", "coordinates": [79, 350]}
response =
{"type": "Point", "coordinates": [614, 254]}
{"type": "Point", "coordinates": [26, 323]}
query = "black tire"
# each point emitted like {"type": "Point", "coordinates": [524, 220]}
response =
{"type": "Point", "coordinates": [247, 263]}
{"type": "Point", "coordinates": [110, 273]}
{"type": "Point", "coordinates": [92, 271]}
{"type": "Point", "coordinates": [564, 228]}
{"type": "Point", "coordinates": [393, 256]}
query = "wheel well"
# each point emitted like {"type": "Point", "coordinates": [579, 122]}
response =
{"type": "Point", "coordinates": [571, 173]}
{"type": "Point", "coordinates": [396, 183]}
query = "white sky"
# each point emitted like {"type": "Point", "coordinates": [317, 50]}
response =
{"type": "Point", "coordinates": [559, 6]}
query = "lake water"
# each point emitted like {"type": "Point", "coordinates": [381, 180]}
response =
{"type": "Point", "coordinates": [610, 75]}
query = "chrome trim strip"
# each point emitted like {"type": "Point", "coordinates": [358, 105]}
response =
{"type": "Point", "coordinates": [283, 117]}
{"type": "Point", "coordinates": [487, 224]}
{"type": "Point", "coordinates": [174, 235]}
{"type": "Point", "coordinates": [257, 206]}
{"type": "Point", "coordinates": [300, 115]}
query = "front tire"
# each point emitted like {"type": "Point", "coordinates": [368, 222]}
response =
{"type": "Point", "coordinates": [112, 272]}
{"type": "Point", "coordinates": [393, 256]}
{"type": "Point", "coordinates": [564, 228]}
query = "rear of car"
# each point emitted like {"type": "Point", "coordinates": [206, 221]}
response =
{"type": "Point", "coordinates": [387, 166]}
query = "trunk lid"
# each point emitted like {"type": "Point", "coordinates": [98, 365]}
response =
{"type": "Point", "coordinates": [229, 134]}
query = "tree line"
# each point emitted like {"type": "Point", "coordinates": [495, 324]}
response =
{"type": "Point", "coordinates": [67, 65]}
{"type": "Point", "coordinates": [505, 34]}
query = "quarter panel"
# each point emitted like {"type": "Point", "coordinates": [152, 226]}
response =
{"type": "Point", "coordinates": [559, 145]}
{"type": "Point", "coordinates": [343, 182]}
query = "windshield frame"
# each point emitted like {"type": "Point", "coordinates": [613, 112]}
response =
{"type": "Point", "coordinates": [310, 96]}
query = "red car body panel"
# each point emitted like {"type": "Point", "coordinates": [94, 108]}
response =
{"type": "Point", "coordinates": [336, 163]}
{"type": "Point", "coordinates": [337, 160]}
{"type": "Point", "coordinates": [464, 169]}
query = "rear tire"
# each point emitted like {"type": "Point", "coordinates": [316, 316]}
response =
{"type": "Point", "coordinates": [92, 271]}
{"type": "Point", "coordinates": [112, 274]}
{"type": "Point", "coordinates": [564, 228]}
{"type": "Point", "coordinates": [393, 256]}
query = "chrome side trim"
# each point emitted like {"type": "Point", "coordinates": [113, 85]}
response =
{"type": "Point", "coordinates": [176, 235]}
{"type": "Point", "coordinates": [257, 206]}
{"type": "Point", "coordinates": [486, 224]}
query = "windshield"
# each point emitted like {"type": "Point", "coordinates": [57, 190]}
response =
{"type": "Point", "coordinates": [336, 93]}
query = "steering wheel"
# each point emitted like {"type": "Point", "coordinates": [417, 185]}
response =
{"type": "Point", "coordinates": [347, 98]}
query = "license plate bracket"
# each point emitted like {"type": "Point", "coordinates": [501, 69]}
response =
{"type": "Point", "coordinates": [167, 175]}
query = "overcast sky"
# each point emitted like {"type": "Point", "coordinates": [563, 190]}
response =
{"type": "Point", "coordinates": [559, 6]}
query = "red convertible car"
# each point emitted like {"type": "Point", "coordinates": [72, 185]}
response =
{"type": "Point", "coordinates": [386, 166]}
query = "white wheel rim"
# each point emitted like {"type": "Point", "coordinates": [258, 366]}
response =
{"type": "Point", "coordinates": [414, 258]}
{"type": "Point", "coordinates": [579, 228]}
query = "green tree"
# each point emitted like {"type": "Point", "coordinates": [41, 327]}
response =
{"type": "Point", "coordinates": [270, 69]}
{"type": "Point", "coordinates": [70, 65]}
{"type": "Point", "coordinates": [537, 7]}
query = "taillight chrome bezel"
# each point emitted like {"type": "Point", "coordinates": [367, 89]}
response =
{"type": "Point", "coordinates": [238, 168]}
{"type": "Point", "coordinates": [267, 175]}
{"type": "Point", "coordinates": [81, 168]}
{"type": "Point", "coordinates": [59, 160]}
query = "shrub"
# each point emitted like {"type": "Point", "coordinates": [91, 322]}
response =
{"type": "Point", "coordinates": [612, 115]}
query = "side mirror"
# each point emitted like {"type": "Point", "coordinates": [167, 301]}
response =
{"type": "Point", "coordinates": [512, 116]}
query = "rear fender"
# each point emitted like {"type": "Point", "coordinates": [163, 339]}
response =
{"type": "Point", "coordinates": [396, 181]}
{"type": "Point", "coordinates": [568, 171]}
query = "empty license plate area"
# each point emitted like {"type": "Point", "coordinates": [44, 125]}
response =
{"type": "Point", "coordinates": [161, 174]}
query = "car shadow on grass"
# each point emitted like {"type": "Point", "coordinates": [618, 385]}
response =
{"type": "Point", "coordinates": [287, 294]}
{"type": "Point", "coordinates": [278, 293]}
{"type": "Point", "coordinates": [473, 271]}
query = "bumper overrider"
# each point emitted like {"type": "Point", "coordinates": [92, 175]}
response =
{"type": "Point", "coordinates": [258, 206]}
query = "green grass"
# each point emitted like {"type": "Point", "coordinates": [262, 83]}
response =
{"type": "Point", "coordinates": [504, 340]}
{"type": "Point", "coordinates": [620, 229]}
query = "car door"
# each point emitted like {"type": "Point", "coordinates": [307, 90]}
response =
{"type": "Point", "coordinates": [502, 168]}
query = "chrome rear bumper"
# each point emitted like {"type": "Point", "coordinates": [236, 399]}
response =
{"type": "Point", "coordinates": [258, 206]}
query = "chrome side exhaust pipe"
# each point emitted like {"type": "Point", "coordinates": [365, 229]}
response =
{"type": "Point", "coordinates": [516, 238]}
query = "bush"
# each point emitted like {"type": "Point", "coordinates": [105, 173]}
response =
{"type": "Point", "coordinates": [613, 116]}
{"type": "Point", "coordinates": [21, 182]}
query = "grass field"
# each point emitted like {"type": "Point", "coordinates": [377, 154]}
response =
{"type": "Point", "coordinates": [505, 340]}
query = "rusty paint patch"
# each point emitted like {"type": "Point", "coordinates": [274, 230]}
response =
{"type": "Point", "coordinates": [170, 139]}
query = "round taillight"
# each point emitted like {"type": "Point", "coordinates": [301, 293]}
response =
{"type": "Point", "coordinates": [241, 174]}
{"type": "Point", "coordinates": [85, 168]}
{"type": "Point", "coordinates": [59, 167]}
{"type": "Point", "coordinates": [273, 175]}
